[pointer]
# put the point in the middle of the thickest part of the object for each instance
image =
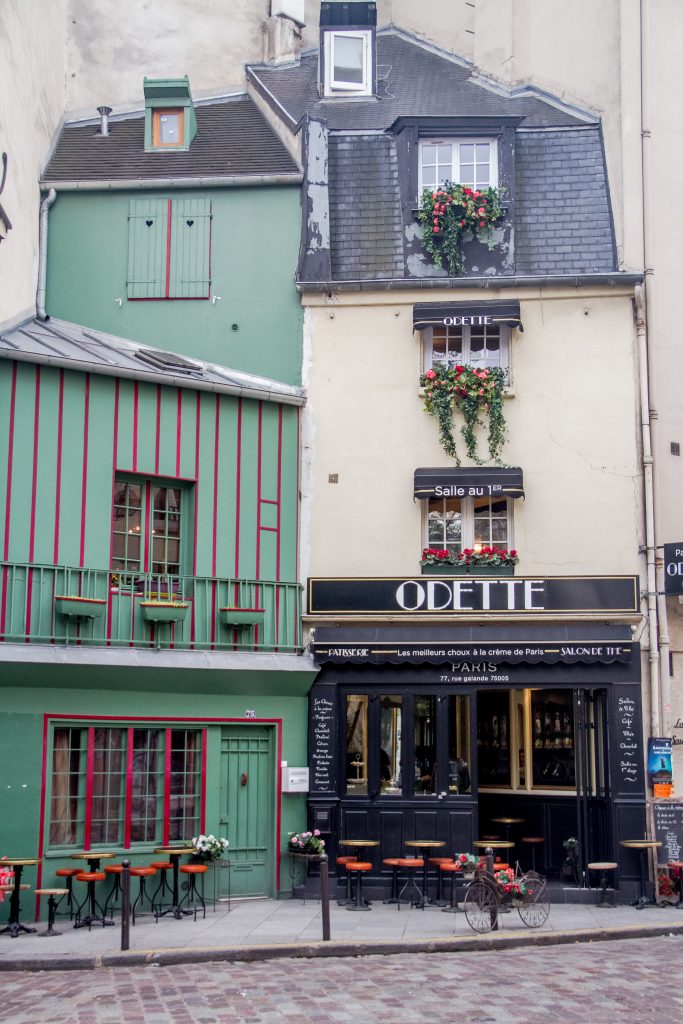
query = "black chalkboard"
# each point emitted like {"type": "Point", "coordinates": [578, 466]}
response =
{"type": "Point", "coordinates": [668, 819]}
{"type": "Point", "coordinates": [322, 740]}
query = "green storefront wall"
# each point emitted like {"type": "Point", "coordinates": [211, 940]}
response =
{"type": "Point", "coordinates": [255, 324]}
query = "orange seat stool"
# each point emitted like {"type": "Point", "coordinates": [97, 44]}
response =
{"type": "Point", "coordinates": [92, 878]}
{"type": "Point", "coordinates": [342, 862]}
{"type": "Point", "coordinates": [162, 866]}
{"type": "Point", "coordinates": [358, 868]}
{"type": "Point", "coordinates": [411, 865]}
{"type": "Point", "coordinates": [437, 862]}
{"type": "Point", "coordinates": [193, 871]}
{"type": "Point", "coordinates": [69, 874]}
{"type": "Point", "coordinates": [392, 862]}
{"type": "Point", "coordinates": [143, 874]}
{"type": "Point", "coordinates": [453, 869]}
{"type": "Point", "coordinates": [113, 871]}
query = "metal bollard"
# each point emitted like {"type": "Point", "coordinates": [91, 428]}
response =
{"type": "Point", "coordinates": [494, 908]}
{"type": "Point", "coordinates": [325, 896]}
{"type": "Point", "coordinates": [125, 905]}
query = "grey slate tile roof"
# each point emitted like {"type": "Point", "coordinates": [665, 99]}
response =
{"type": "Point", "coordinates": [365, 212]}
{"type": "Point", "coordinates": [563, 222]}
{"type": "Point", "coordinates": [419, 82]}
{"type": "Point", "coordinates": [233, 138]}
{"type": "Point", "coordinates": [59, 343]}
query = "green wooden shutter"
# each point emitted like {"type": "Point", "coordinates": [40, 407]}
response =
{"type": "Point", "coordinates": [189, 271]}
{"type": "Point", "coordinates": [147, 240]}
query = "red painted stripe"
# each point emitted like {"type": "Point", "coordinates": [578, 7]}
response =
{"type": "Point", "coordinates": [89, 772]}
{"type": "Point", "coordinates": [58, 481]}
{"type": "Point", "coordinates": [167, 784]}
{"type": "Point", "coordinates": [10, 462]}
{"type": "Point", "coordinates": [278, 803]}
{"type": "Point", "coordinates": [197, 432]}
{"type": "Point", "coordinates": [178, 433]}
{"type": "Point", "coordinates": [32, 526]}
{"type": "Point", "coordinates": [135, 426]}
{"type": "Point", "coordinates": [55, 715]}
{"type": "Point", "coordinates": [258, 492]}
{"type": "Point", "coordinates": [128, 807]}
{"type": "Point", "coordinates": [43, 824]}
{"type": "Point", "coordinates": [202, 820]}
{"type": "Point", "coordinates": [238, 486]}
{"type": "Point", "coordinates": [208, 293]}
{"type": "Point", "coordinates": [168, 250]}
{"type": "Point", "coordinates": [214, 525]}
{"type": "Point", "coordinates": [157, 439]}
{"type": "Point", "coordinates": [114, 460]}
{"type": "Point", "coordinates": [298, 490]}
{"type": "Point", "coordinates": [84, 481]}
{"type": "Point", "coordinates": [148, 526]}
{"type": "Point", "coordinates": [279, 493]}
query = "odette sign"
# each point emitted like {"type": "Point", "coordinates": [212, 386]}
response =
{"type": "Point", "coordinates": [673, 568]}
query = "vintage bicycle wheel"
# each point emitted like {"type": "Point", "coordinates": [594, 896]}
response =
{"type": "Point", "coordinates": [533, 905]}
{"type": "Point", "coordinates": [481, 905]}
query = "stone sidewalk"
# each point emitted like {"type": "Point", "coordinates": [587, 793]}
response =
{"type": "Point", "coordinates": [268, 929]}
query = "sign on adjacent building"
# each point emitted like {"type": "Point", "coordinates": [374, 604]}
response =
{"type": "Point", "coordinates": [673, 568]}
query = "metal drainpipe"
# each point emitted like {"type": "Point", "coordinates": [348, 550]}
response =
{"type": "Point", "coordinates": [649, 307]}
{"type": "Point", "coordinates": [653, 649]}
{"type": "Point", "coordinates": [42, 254]}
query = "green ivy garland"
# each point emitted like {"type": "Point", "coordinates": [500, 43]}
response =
{"type": "Point", "coordinates": [447, 213]}
{"type": "Point", "coordinates": [473, 392]}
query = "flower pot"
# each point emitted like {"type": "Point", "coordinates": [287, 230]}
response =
{"type": "Point", "coordinates": [439, 569]}
{"type": "Point", "coordinates": [160, 611]}
{"type": "Point", "coordinates": [80, 607]}
{"type": "Point", "coordinates": [242, 618]}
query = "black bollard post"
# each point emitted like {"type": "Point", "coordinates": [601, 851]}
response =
{"type": "Point", "coordinates": [125, 905]}
{"type": "Point", "coordinates": [494, 907]}
{"type": "Point", "coordinates": [325, 896]}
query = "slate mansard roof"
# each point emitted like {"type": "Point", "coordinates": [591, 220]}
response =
{"type": "Point", "coordinates": [559, 220]}
{"type": "Point", "coordinates": [233, 139]}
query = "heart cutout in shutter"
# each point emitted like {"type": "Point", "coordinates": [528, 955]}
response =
{"type": "Point", "coordinates": [189, 223]}
{"type": "Point", "coordinates": [149, 223]}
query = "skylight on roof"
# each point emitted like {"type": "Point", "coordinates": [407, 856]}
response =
{"type": "Point", "coordinates": [171, 362]}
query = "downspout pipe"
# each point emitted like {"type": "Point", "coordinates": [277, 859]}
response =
{"type": "Point", "coordinates": [42, 254]}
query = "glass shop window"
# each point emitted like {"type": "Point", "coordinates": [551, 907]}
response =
{"type": "Point", "coordinates": [552, 716]}
{"type": "Point", "coordinates": [424, 734]}
{"type": "Point", "coordinates": [357, 744]}
{"type": "Point", "coordinates": [493, 738]}
{"type": "Point", "coordinates": [390, 745]}
{"type": "Point", "coordinates": [459, 754]}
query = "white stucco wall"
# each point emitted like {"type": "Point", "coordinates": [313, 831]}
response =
{"type": "Point", "coordinates": [572, 428]}
{"type": "Point", "coordinates": [32, 49]}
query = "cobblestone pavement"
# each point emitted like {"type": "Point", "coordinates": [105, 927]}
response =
{"type": "Point", "coordinates": [595, 983]}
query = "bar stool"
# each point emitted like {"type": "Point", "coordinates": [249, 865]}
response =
{"type": "Point", "coordinates": [437, 862]}
{"type": "Point", "coordinates": [162, 866]}
{"type": "Point", "coordinates": [52, 905]}
{"type": "Point", "coordinates": [343, 862]}
{"type": "Point", "coordinates": [92, 878]}
{"type": "Point", "coordinates": [452, 868]}
{"type": "Point", "coordinates": [603, 867]}
{"type": "Point", "coordinates": [411, 865]}
{"type": "Point", "coordinates": [358, 868]}
{"type": "Point", "coordinates": [69, 874]}
{"type": "Point", "coordinates": [114, 871]}
{"type": "Point", "coordinates": [143, 873]}
{"type": "Point", "coordinates": [392, 862]}
{"type": "Point", "coordinates": [193, 894]}
{"type": "Point", "coordinates": [533, 842]}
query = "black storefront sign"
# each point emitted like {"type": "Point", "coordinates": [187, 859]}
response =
{"type": "Point", "coordinates": [455, 482]}
{"type": "Point", "coordinates": [467, 595]}
{"type": "Point", "coordinates": [477, 655]}
{"type": "Point", "coordinates": [673, 568]}
{"type": "Point", "coordinates": [465, 314]}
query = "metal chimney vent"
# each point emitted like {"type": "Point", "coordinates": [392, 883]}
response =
{"type": "Point", "coordinates": [104, 113]}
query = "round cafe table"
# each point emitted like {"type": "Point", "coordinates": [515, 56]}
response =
{"type": "Point", "coordinates": [17, 864]}
{"type": "Point", "coordinates": [360, 844]}
{"type": "Point", "coordinates": [96, 914]}
{"type": "Point", "coordinates": [508, 823]}
{"type": "Point", "coordinates": [425, 846]}
{"type": "Point", "coordinates": [642, 846]}
{"type": "Point", "coordinates": [174, 853]}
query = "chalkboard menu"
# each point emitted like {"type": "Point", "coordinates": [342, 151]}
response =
{"type": "Point", "coordinates": [668, 818]}
{"type": "Point", "coordinates": [627, 746]}
{"type": "Point", "coordinates": [323, 731]}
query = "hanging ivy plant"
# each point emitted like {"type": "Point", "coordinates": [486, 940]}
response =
{"type": "Point", "coordinates": [473, 392]}
{"type": "Point", "coordinates": [452, 210]}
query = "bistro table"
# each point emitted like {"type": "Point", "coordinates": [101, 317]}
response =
{"type": "Point", "coordinates": [174, 853]}
{"type": "Point", "coordinates": [425, 846]}
{"type": "Point", "coordinates": [508, 823]}
{"type": "Point", "coordinates": [642, 846]}
{"type": "Point", "coordinates": [360, 843]}
{"type": "Point", "coordinates": [93, 858]}
{"type": "Point", "coordinates": [17, 864]}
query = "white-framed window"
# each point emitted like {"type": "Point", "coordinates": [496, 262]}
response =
{"type": "Point", "coordinates": [483, 345]}
{"type": "Point", "coordinates": [471, 162]}
{"type": "Point", "coordinates": [458, 523]}
{"type": "Point", "coordinates": [348, 63]}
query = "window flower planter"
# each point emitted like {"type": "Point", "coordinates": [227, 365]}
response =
{"type": "Point", "coordinates": [466, 570]}
{"type": "Point", "coordinates": [242, 618]}
{"type": "Point", "coordinates": [80, 607]}
{"type": "Point", "coordinates": [164, 611]}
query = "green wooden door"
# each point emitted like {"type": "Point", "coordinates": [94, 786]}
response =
{"type": "Point", "coordinates": [247, 815]}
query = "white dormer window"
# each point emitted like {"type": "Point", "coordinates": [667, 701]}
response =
{"type": "Point", "coordinates": [471, 162]}
{"type": "Point", "coordinates": [348, 63]}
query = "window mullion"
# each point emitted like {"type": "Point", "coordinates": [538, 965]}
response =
{"type": "Point", "coordinates": [128, 800]}
{"type": "Point", "coordinates": [89, 771]}
{"type": "Point", "coordinates": [167, 785]}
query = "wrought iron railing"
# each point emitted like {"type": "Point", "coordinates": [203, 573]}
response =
{"type": "Point", "coordinates": [112, 609]}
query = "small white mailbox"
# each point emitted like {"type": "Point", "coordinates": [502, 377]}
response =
{"type": "Point", "coordinates": [295, 780]}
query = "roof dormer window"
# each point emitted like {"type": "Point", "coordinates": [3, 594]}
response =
{"type": "Point", "coordinates": [170, 121]}
{"type": "Point", "coordinates": [347, 49]}
{"type": "Point", "coordinates": [167, 128]}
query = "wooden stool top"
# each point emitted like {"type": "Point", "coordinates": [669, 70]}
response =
{"type": "Point", "coordinates": [602, 865]}
{"type": "Point", "coordinates": [11, 888]}
{"type": "Point", "coordinates": [533, 839]}
{"type": "Point", "coordinates": [51, 892]}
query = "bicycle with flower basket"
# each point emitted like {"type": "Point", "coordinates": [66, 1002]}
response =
{"type": "Point", "coordinates": [490, 893]}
